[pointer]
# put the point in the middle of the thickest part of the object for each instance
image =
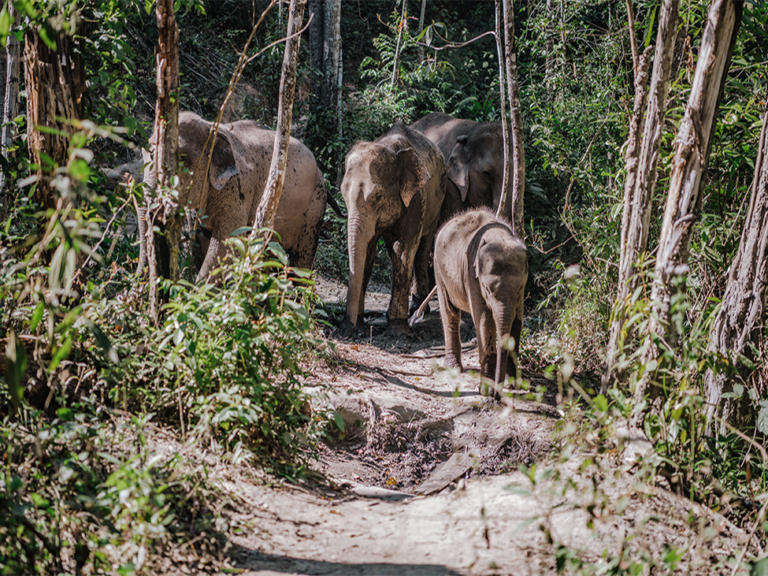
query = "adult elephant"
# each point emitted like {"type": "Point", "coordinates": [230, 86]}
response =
{"type": "Point", "coordinates": [474, 161]}
{"type": "Point", "coordinates": [394, 188]}
{"type": "Point", "coordinates": [235, 184]}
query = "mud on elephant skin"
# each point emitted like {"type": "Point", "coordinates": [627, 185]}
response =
{"type": "Point", "coordinates": [394, 188]}
{"type": "Point", "coordinates": [481, 268]}
{"type": "Point", "coordinates": [235, 184]}
{"type": "Point", "coordinates": [474, 159]}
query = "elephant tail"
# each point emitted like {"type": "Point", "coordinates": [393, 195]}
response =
{"type": "Point", "coordinates": [330, 200]}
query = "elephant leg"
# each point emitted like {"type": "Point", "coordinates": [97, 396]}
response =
{"type": "Point", "coordinates": [200, 246]}
{"type": "Point", "coordinates": [403, 256]}
{"type": "Point", "coordinates": [486, 344]}
{"type": "Point", "coordinates": [451, 318]}
{"type": "Point", "coordinates": [515, 331]}
{"type": "Point", "coordinates": [302, 255]}
{"type": "Point", "coordinates": [421, 284]}
{"type": "Point", "coordinates": [370, 257]}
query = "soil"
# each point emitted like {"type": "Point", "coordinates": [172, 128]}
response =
{"type": "Point", "coordinates": [426, 479]}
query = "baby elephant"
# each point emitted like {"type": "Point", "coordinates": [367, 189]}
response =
{"type": "Point", "coordinates": [481, 268]}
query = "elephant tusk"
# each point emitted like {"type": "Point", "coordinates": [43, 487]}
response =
{"type": "Point", "coordinates": [418, 316]}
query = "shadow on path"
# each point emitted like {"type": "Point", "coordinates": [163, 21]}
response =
{"type": "Point", "coordinates": [254, 560]}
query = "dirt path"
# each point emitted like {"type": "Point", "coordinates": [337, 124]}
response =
{"type": "Point", "coordinates": [424, 481]}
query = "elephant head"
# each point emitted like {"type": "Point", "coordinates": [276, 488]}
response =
{"type": "Point", "coordinates": [193, 135]}
{"type": "Point", "coordinates": [381, 181]}
{"type": "Point", "coordinates": [476, 165]}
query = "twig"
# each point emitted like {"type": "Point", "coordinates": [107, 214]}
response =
{"type": "Point", "coordinates": [489, 33]}
{"type": "Point", "coordinates": [93, 250]}
{"type": "Point", "coordinates": [260, 52]}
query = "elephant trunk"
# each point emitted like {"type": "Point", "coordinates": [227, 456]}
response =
{"type": "Point", "coordinates": [359, 235]}
{"type": "Point", "coordinates": [503, 319]}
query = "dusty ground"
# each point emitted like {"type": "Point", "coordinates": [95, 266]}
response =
{"type": "Point", "coordinates": [425, 481]}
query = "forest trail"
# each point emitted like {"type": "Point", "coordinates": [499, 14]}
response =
{"type": "Point", "coordinates": [413, 428]}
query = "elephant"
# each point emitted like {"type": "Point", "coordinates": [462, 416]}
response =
{"type": "Point", "coordinates": [393, 188]}
{"type": "Point", "coordinates": [236, 179]}
{"type": "Point", "coordinates": [474, 161]}
{"type": "Point", "coordinates": [481, 267]}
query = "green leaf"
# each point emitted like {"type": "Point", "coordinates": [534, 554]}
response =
{"type": "Point", "coordinates": [36, 316]}
{"type": "Point", "coordinates": [601, 403]}
{"type": "Point", "coordinates": [339, 421]}
{"type": "Point", "coordinates": [148, 7]}
{"type": "Point", "coordinates": [15, 367]}
{"type": "Point", "coordinates": [61, 354]}
{"type": "Point", "coordinates": [103, 341]}
{"type": "Point", "coordinates": [65, 414]}
{"type": "Point", "coordinates": [5, 23]}
{"type": "Point", "coordinates": [762, 420]}
{"type": "Point", "coordinates": [738, 390]}
{"type": "Point", "coordinates": [760, 567]}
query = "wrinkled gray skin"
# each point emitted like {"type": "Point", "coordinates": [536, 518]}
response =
{"type": "Point", "coordinates": [236, 180]}
{"type": "Point", "coordinates": [474, 161]}
{"type": "Point", "coordinates": [481, 268]}
{"type": "Point", "coordinates": [393, 188]}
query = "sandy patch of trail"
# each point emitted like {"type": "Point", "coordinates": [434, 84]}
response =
{"type": "Point", "coordinates": [411, 428]}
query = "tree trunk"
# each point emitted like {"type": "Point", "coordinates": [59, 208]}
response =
{"type": "Point", "coordinates": [641, 159]}
{"type": "Point", "coordinates": [516, 124]}
{"type": "Point", "coordinates": [549, 47]}
{"type": "Point", "coordinates": [166, 153]}
{"type": "Point", "coordinates": [316, 37]}
{"type": "Point", "coordinates": [331, 52]}
{"type": "Point", "coordinates": [11, 94]}
{"type": "Point", "coordinates": [500, 209]}
{"type": "Point", "coordinates": [401, 27]}
{"type": "Point", "coordinates": [742, 315]}
{"type": "Point", "coordinates": [265, 213]}
{"type": "Point", "coordinates": [692, 148]}
{"type": "Point", "coordinates": [54, 86]}
{"type": "Point", "coordinates": [633, 37]}
{"type": "Point", "coordinates": [421, 27]}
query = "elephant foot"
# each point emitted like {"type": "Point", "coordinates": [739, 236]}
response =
{"type": "Point", "coordinates": [452, 361]}
{"type": "Point", "coordinates": [397, 328]}
{"type": "Point", "coordinates": [348, 329]}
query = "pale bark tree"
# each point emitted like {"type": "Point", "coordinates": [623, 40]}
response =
{"type": "Point", "coordinates": [324, 53]}
{"type": "Point", "coordinates": [692, 147]}
{"type": "Point", "coordinates": [166, 152]}
{"type": "Point", "coordinates": [11, 79]}
{"type": "Point", "coordinates": [549, 47]}
{"type": "Point", "coordinates": [421, 27]}
{"type": "Point", "coordinates": [641, 160]}
{"type": "Point", "coordinates": [401, 29]}
{"type": "Point", "coordinates": [54, 80]}
{"type": "Point", "coordinates": [633, 37]}
{"type": "Point", "coordinates": [265, 213]}
{"type": "Point", "coordinates": [741, 318]}
{"type": "Point", "coordinates": [502, 106]}
{"type": "Point", "coordinates": [517, 190]}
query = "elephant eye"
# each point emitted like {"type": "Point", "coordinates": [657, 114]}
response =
{"type": "Point", "coordinates": [487, 174]}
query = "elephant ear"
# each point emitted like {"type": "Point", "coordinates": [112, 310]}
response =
{"type": "Point", "coordinates": [414, 174]}
{"type": "Point", "coordinates": [223, 164]}
{"type": "Point", "coordinates": [457, 167]}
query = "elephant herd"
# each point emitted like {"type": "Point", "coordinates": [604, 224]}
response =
{"type": "Point", "coordinates": [441, 173]}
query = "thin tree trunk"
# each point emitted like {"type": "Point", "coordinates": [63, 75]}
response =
{"type": "Point", "coordinates": [401, 27]}
{"type": "Point", "coordinates": [516, 125]}
{"type": "Point", "coordinates": [692, 146]}
{"type": "Point", "coordinates": [421, 27]}
{"type": "Point", "coordinates": [633, 37]}
{"type": "Point", "coordinates": [331, 52]}
{"type": "Point", "coordinates": [316, 37]}
{"type": "Point", "coordinates": [742, 315]}
{"type": "Point", "coordinates": [265, 213]}
{"type": "Point", "coordinates": [642, 160]}
{"type": "Point", "coordinates": [54, 86]}
{"type": "Point", "coordinates": [549, 47]}
{"type": "Point", "coordinates": [503, 96]}
{"type": "Point", "coordinates": [166, 154]}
